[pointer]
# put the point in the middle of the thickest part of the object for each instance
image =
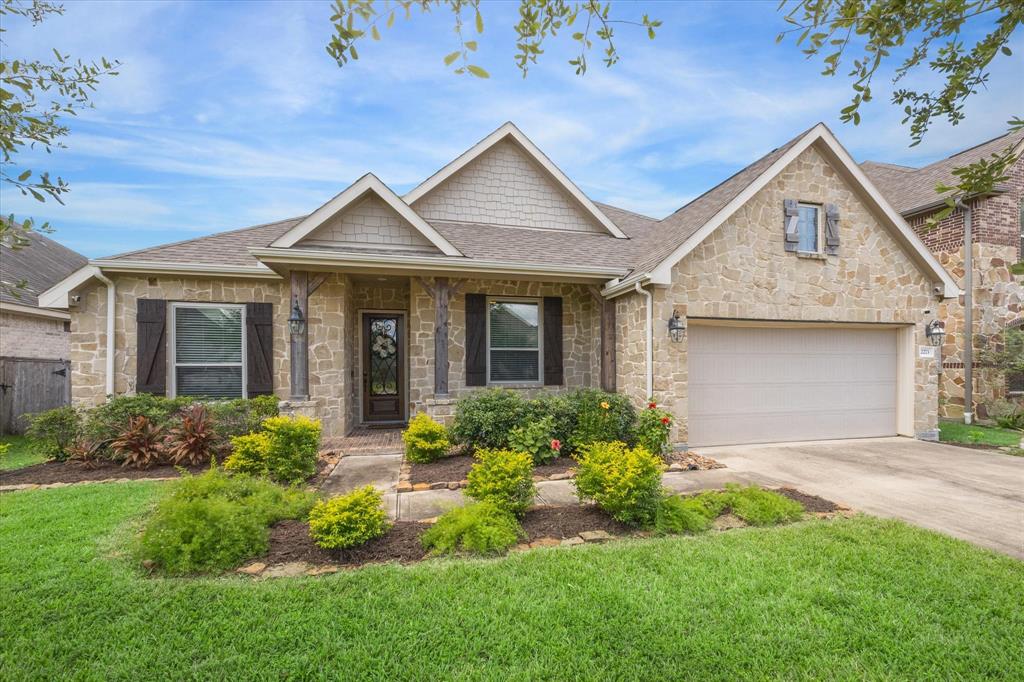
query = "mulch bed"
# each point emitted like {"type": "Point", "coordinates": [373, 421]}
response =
{"type": "Point", "coordinates": [456, 468]}
{"type": "Point", "coordinates": [567, 522]}
{"type": "Point", "coordinates": [811, 503]}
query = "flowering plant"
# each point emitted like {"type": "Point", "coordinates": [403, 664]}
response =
{"type": "Point", "coordinates": [653, 429]}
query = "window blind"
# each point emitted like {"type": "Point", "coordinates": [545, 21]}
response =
{"type": "Point", "coordinates": [514, 341]}
{"type": "Point", "coordinates": [208, 351]}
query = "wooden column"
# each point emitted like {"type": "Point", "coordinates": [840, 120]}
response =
{"type": "Point", "coordinates": [607, 308]}
{"type": "Point", "coordinates": [441, 291]}
{"type": "Point", "coordinates": [301, 289]}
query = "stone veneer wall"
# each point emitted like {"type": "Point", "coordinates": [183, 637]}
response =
{"type": "Point", "coordinates": [505, 187]}
{"type": "Point", "coordinates": [31, 336]}
{"type": "Point", "coordinates": [743, 272]}
{"type": "Point", "coordinates": [580, 339]}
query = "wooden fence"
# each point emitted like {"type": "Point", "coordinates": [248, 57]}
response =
{"type": "Point", "coordinates": [29, 385]}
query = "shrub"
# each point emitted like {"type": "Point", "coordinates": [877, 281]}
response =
{"type": "Point", "coordinates": [140, 445]}
{"type": "Point", "coordinates": [86, 452]}
{"type": "Point", "coordinates": [4, 448]}
{"type": "Point", "coordinates": [760, 507]}
{"type": "Point", "coordinates": [479, 528]}
{"type": "Point", "coordinates": [653, 427]}
{"type": "Point", "coordinates": [1007, 414]}
{"type": "Point", "coordinates": [348, 520]}
{"type": "Point", "coordinates": [425, 440]}
{"type": "Point", "coordinates": [536, 438]}
{"type": "Point", "coordinates": [292, 450]}
{"type": "Point", "coordinates": [504, 478]}
{"type": "Point", "coordinates": [562, 411]}
{"type": "Point", "coordinates": [601, 417]}
{"type": "Point", "coordinates": [213, 522]}
{"type": "Point", "coordinates": [193, 440]}
{"type": "Point", "coordinates": [625, 482]}
{"type": "Point", "coordinates": [248, 454]}
{"type": "Point", "coordinates": [106, 422]}
{"type": "Point", "coordinates": [485, 419]}
{"type": "Point", "coordinates": [54, 431]}
{"type": "Point", "coordinates": [242, 415]}
{"type": "Point", "coordinates": [677, 514]}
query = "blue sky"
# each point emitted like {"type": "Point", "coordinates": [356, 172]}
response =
{"type": "Point", "coordinates": [232, 114]}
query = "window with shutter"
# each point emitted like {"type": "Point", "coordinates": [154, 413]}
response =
{"type": "Point", "coordinates": [208, 350]}
{"type": "Point", "coordinates": [513, 341]}
{"type": "Point", "coordinates": [807, 228]}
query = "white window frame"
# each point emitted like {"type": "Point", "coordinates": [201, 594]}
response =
{"type": "Point", "coordinates": [818, 238]}
{"type": "Point", "coordinates": [172, 355]}
{"type": "Point", "coordinates": [540, 340]}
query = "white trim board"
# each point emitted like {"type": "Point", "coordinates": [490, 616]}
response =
{"type": "Point", "coordinates": [510, 131]}
{"type": "Point", "coordinates": [33, 311]}
{"type": "Point", "coordinates": [369, 183]}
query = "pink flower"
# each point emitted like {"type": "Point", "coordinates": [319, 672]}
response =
{"type": "Point", "coordinates": [556, 444]}
{"type": "Point", "coordinates": [665, 421]}
{"type": "Point", "coordinates": [652, 406]}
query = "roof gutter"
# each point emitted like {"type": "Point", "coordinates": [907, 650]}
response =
{"type": "Point", "coordinates": [617, 287]}
{"type": "Point", "coordinates": [200, 269]}
{"type": "Point", "coordinates": [941, 203]}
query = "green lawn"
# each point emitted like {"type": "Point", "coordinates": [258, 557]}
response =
{"type": "Point", "coordinates": [958, 432]}
{"type": "Point", "coordinates": [847, 599]}
{"type": "Point", "coordinates": [21, 454]}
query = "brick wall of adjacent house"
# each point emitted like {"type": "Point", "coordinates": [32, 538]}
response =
{"type": "Point", "coordinates": [742, 272]}
{"type": "Point", "coordinates": [998, 294]}
{"type": "Point", "coordinates": [505, 187]}
{"type": "Point", "coordinates": [31, 336]}
{"type": "Point", "coordinates": [369, 222]}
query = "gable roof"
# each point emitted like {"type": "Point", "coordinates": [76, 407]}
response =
{"type": "Point", "coordinates": [509, 131]}
{"type": "Point", "coordinates": [369, 183]}
{"type": "Point", "coordinates": [40, 264]}
{"type": "Point", "coordinates": [912, 190]}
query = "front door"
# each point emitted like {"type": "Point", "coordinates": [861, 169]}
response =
{"type": "Point", "coordinates": [383, 367]}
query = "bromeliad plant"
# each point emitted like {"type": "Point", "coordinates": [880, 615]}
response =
{"type": "Point", "coordinates": [141, 445]}
{"type": "Point", "coordinates": [653, 429]}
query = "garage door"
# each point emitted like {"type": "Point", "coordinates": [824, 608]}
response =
{"type": "Point", "coordinates": [771, 384]}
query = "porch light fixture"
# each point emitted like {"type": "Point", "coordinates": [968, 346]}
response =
{"type": "Point", "coordinates": [296, 322]}
{"type": "Point", "coordinates": [676, 327]}
{"type": "Point", "coordinates": [935, 332]}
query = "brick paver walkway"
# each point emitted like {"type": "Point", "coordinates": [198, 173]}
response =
{"type": "Point", "coordinates": [363, 441]}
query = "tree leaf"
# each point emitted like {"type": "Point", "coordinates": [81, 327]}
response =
{"type": "Point", "coordinates": [450, 59]}
{"type": "Point", "coordinates": [477, 71]}
{"type": "Point", "coordinates": [25, 176]}
{"type": "Point", "coordinates": [374, 33]}
{"type": "Point", "coordinates": [479, 22]}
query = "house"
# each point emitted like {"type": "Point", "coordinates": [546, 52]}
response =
{"type": "Point", "coordinates": [997, 229]}
{"type": "Point", "coordinates": [798, 296]}
{"type": "Point", "coordinates": [34, 342]}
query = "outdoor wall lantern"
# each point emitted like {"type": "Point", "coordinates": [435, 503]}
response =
{"type": "Point", "coordinates": [676, 327]}
{"type": "Point", "coordinates": [296, 322]}
{"type": "Point", "coordinates": [935, 332]}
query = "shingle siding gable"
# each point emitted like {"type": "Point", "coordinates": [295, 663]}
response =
{"type": "Point", "coordinates": [370, 222]}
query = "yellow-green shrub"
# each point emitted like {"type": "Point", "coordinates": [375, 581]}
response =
{"type": "Point", "coordinates": [348, 520]}
{"type": "Point", "coordinates": [624, 481]}
{"type": "Point", "coordinates": [503, 478]}
{"type": "Point", "coordinates": [479, 528]}
{"type": "Point", "coordinates": [425, 440]}
{"type": "Point", "coordinates": [248, 454]}
{"type": "Point", "coordinates": [285, 449]}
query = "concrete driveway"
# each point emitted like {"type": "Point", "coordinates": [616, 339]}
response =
{"type": "Point", "coordinates": [976, 495]}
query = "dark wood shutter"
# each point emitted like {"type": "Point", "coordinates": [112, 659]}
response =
{"type": "Point", "coordinates": [151, 346]}
{"type": "Point", "coordinates": [791, 223]}
{"type": "Point", "coordinates": [476, 340]}
{"type": "Point", "coordinates": [553, 372]}
{"type": "Point", "coordinates": [259, 349]}
{"type": "Point", "coordinates": [831, 229]}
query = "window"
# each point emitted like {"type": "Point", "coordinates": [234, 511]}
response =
{"type": "Point", "coordinates": [513, 341]}
{"type": "Point", "coordinates": [207, 342]}
{"type": "Point", "coordinates": [808, 228]}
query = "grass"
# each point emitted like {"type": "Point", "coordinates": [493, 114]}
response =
{"type": "Point", "coordinates": [976, 434]}
{"type": "Point", "coordinates": [858, 598]}
{"type": "Point", "coordinates": [21, 454]}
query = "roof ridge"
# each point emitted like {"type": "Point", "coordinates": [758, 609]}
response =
{"type": "Point", "coordinates": [895, 166]}
{"type": "Point", "coordinates": [205, 236]}
{"type": "Point", "coordinates": [625, 210]}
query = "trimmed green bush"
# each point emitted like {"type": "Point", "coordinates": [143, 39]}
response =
{"type": "Point", "coordinates": [293, 447]}
{"type": "Point", "coordinates": [425, 440]}
{"type": "Point", "coordinates": [562, 411]}
{"type": "Point", "coordinates": [536, 438]}
{"type": "Point", "coordinates": [479, 528]}
{"type": "Point", "coordinates": [504, 478]}
{"type": "Point", "coordinates": [601, 418]}
{"type": "Point", "coordinates": [248, 454]}
{"type": "Point", "coordinates": [214, 522]}
{"type": "Point", "coordinates": [241, 415]}
{"type": "Point", "coordinates": [625, 482]}
{"type": "Point", "coordinates": [653, 428]}
{"type": "Point", "coordinates": [55, 431]}
{"type": "Point", "coordinates": [677, 514]}
{"type": "Point", "coordinates": [486, 418]}
{"type": "Point", "coordinates": [348, 520]}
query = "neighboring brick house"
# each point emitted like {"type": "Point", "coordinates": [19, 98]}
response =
{"type": "Point", "coordinates": [804, 295]}
{"type": "Point", "coordinates": [29, 333]}
{"type": "Point", "coordinates": [997, 223]}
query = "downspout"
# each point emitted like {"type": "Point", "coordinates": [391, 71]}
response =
{"type": "Point", "coordinates": [968, 356]}
{"type": "Point", "coordinates": [650, 340]}
{"type": "Point", "coordinates": [110, 331]}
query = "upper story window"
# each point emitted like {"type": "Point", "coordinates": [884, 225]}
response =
{"type": "Point", "coordinates": [207, 350]}
{"type": "Point", "coordinates": [513, 341]}
{"type": "Point", "coordinates": [809, 226]}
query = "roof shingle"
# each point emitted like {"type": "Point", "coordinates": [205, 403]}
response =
{"type": "Point", "coordinates": [40, 264]}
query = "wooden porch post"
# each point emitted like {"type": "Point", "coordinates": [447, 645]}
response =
{"type": "Point", "coordinates": [607, 339]}
{"type": "Point", "coordinates": [301, 289]}
{"type": "Point", "coordinates": [441, 291]}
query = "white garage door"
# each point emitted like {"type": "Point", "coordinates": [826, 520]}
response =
{"type": "Point", "coordinates": [771, 384]}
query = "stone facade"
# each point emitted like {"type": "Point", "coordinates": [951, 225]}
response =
{"type": "Point", "coordinates": [505, 187]}
{"type": "Point", "coordinates": [369, 222]}
{"type": "Point", "coordinates": [998, 293]}
{"type": "Point", "coordinates": [32, 336]}
{"type": "Point", "coordinates": [742, 272]}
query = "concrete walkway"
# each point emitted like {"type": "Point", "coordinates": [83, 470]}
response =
{"type": "Point", "coordinates": [976, 495]}
{"type": "Point", "coordinates": [356, 471]}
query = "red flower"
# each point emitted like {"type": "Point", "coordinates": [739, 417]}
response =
{"type": "Point", "coordinates": [665, 420]}
{"type": "Point", "coordinates": [651, 406]}
{"type": "Point", "coordinates": [556, 444]}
